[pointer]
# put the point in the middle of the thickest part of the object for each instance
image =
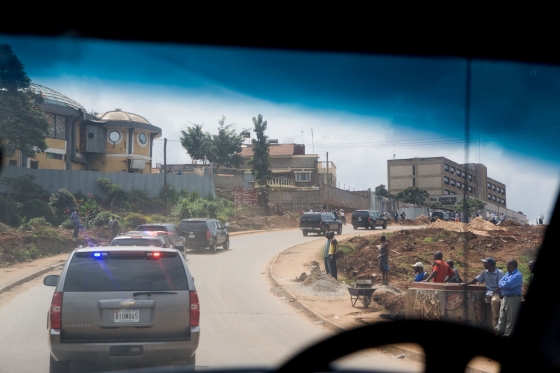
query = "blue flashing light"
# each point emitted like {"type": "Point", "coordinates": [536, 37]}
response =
{"type": "Point", "coordinates": [97, 255]}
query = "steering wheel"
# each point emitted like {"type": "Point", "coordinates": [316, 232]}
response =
{"type": "Point", "coordinates": [448, 347]}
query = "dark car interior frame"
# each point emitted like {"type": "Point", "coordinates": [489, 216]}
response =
{"type": "Point", "coordinates": [448, 347]}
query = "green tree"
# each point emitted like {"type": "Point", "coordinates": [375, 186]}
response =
{"type": "Point", "coordinates": [382, 191]}
{"type": "Point", "coordinates": [225, 145]}
{"type": "Point", "coordinates": [197, 143]}
{"type": "Point", "coordinates": [260, 162]}
{"type": "Point", "coordinates": [473, 205]}
{"type": "Point", "coordinates": [23, 187]}
{"type": "Point", "coordinates": [23, 124]}
{"type": "Point", "coordinates": [413, 195]}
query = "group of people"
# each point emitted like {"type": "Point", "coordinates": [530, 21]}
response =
{"type": "Point", "coordinates": [395, 215]}
{"type": "Point", "coordinates": [114, 226]}
{"type": "Point", "coordinates": [503, 291]}
{"type": "Point", "coordinates": [495, 218]}
{"type": "Point", "coordinates": [75, 218]}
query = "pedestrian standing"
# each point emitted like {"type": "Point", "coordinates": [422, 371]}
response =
{"type": "Point", "coordinates": [76, 221]}
{"type": "Point", "coordinates": [455, 279]}
{"type": "Point", "coordinates": [420, 274]}
{"type": "Point", "coordinates": [531, 266]}
{"type": "Point", "coordinates": [115, 227]}
{"type": "Point", "coordinates": [342, 216]}
{"type": "Point", "coordinates": [326, 253]}
{"type": "Point", "coordinates": [333, 247]}
{"type": "Point", "coordinates": [111, 225]}
{"type": "Point", "coordinates": [384, 260]}
{"type": "Point", "coordinates": [396, 217]}
{"type": "Point", "coordinates": [510, 287]}
{"type": "Point", "coordinates": [440, 269]}
{"type": "Point", "coordinates": [491, 277]}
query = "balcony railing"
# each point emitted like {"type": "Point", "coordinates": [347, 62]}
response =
{"type": "Point", "coordinates": [281, 181]}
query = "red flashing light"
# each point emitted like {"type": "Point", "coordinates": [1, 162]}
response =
{"type": "Point", "coordinates": [56, 311]}
{"type": "Point", "coordinates": [156, 255]}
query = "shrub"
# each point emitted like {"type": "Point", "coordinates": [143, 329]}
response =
{"type": "Point", "coordinates": [89, 208]}
{"type": "Point", "coordinates": [35, 208]}
{"type": "Point", "coordinates": [9, 213]}
{"type": "Point", "coordinates": [133, 220]}
{"type": "Point", "coordinates": [102, 219]}
{"type": "Point", "coordinates": [107, 185]}
{"type": "Point", "coordinates": [157, 218]}
{"type": "Point", "coordinates": [62, 201]}
{"type": "Point", "coordinates": [67, 224]}
{"type": "Point", "coordinates": [36, 223]}
{"type": "Point", "coordinates": [48, 240]}
{"type": "Point", "coordinates": [138, 199]}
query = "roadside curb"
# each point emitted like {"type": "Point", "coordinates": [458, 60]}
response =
{"type": "Point", "coordinates": [409, 354]}
{"type": "Point", "coordinates": [30, 277]}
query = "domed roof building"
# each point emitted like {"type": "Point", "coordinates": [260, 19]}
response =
{"type": "Point", "coordinates": [109, 142]}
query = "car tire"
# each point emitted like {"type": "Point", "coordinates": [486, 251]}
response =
{"type": "Point", "coordinates": [58, 366]}
{"type": "Point", "coordinates": [384, 225]}
{"type": "Point", "coordinates": [226, 244]}
{"type": "Point", "coordinates": [305, 233]}
{"type": "Point", "coordinates": [189, 365]}
{"type": "Point", "coordinates": [355, 227]}
{"type": "Point", "coordinates": [339, 232]}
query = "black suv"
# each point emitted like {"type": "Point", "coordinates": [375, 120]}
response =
{"type": "Point", "coordinates": [368, 219]}
{"type": "Point", "coordinates": [442, 215]}
{"type": "Point", "coordinates": [171, 229]}
{"type": "Point", "coordinates": [204, 233]}
{"type": "Point", "coordinates": [320, 223]}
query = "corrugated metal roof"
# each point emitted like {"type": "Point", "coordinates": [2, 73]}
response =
{"type": "Point", "coordinates": [55, 98]}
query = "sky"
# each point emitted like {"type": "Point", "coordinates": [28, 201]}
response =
{"type": "Point", "coordinates": [361, 109]}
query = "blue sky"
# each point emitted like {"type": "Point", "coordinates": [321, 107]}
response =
{"type": "Point", "coordinates": [348, 100]}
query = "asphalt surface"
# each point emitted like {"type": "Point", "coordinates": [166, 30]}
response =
{"type": "Point", "coordinates": [242, 322]}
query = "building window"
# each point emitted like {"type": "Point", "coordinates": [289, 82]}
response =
{"type": "Point", "coordinates": [57, 126]}
{"type": "Point", "coordinates": [489, 196]}
{"type": "Point", "coordinates": [488, 185]}
{"type": "Point", "coordinates": [463, 174]}
{"type": "Point", "coordinates": [446, 167]}
{"type": "Point", "coordinates": [13, 162]}
{"type": "Point", "coordinates": [503, 201]}
{"type": "Point", "coordinates": [504, 191]}
{"type": "Point", "coordinates": [458, 184]}
{"type": "Point", "coordinates": [446, 180]}
{"type": "Point", "coordinates": [34, 164]}
{"type": "Point", "coordinates": [413, 181]}
{"type": "Point", "coordinates": [142, 139]}
{"type": "Point", "coordinates": [493, 197]}
{"type": "Point", "coordinates": [413, 169]}
{"type": "Point", "coordinates": [445, 191]}
{"type": "Point", "coordinates": [452, 192]}
{"type": "Point", "coordinates": [54, 156]}
{"type": "Point", "coordinates": [114, 136]}
{"type": "Point", "coordinates": [469, 177]}
{"type": "Point", "coordinates": [303, 176]}
{"type": "Point", "coordinates": [452, 182]}
{"type": "Point", "coordinates": [452, 169]}
{"type": "Point", "coordinates": [470, 189]}
{"type": "Point", "coordinates": [458, 172]}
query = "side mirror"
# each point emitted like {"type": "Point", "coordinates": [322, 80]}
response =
{"type": "Point", "coordinates": [227, 225]}
{"type": "Point", "coordinates": [51, 280]}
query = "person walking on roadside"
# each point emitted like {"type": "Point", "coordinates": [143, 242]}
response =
{"type": "Point", "coordinates": [342, 217]}
{"type": "Point", "coordinates": [510, 287]}
{"type": "Point", "coordinates": [115, 227]}
{"type": "Point", "coordinates": [384, 260]}
{"type": "Point", "coordinates": [111, 221]}
{"type": "Point", "coordinates": [396, 217]}
{"type": "Point", "coordinates": [420, 274]}
{"type": "Point", "coordinates": [440, 269]}
{"type": "Point", "coordinates": [491, 277]}
{"type": "Point", "coordinates": [333, 247]}
{"type": "Point", "coordinates": [326, 253]}
{"type": "Point", "coordinates": [76, 221]}
{"type": "Point", "coordinates": [455, 279]}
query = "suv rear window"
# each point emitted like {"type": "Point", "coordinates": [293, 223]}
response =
{"type": "Point", "coordinates": [312, 217]}
{"type": "Point", "coordinates": [137, 242]}
{"type": "Point", "coordinates": [360, 213]}
{"type": "Point", "coordinates": [130, 271]}
{"type": "Point", "coordinates": [191, 226]}
{"type": "Point", "coordinates": [151, 228]}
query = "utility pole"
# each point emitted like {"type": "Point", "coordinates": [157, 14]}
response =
{"type": "Point", "coordinates": [312, 143]}
{"type": "Point", "coordinates": [165, 175]}
{"type": "Point", "coordinates": [328, 181]}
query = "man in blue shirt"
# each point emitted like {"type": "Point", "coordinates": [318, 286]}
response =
{"type": "Point", "coordinates": [510, 287]}
{"type": "Point", "coordinates": [76, 221]}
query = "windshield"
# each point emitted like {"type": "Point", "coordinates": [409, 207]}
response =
{"type": "Point", "coordinates": [145, 133]}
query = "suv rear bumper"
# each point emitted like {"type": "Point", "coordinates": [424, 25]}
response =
{"type": "Point", "coordinates": [363, 223]}
{"type": "Point", "coordinates": [198, 244]}
{"type": "Point", "coordinates": [173, 352]}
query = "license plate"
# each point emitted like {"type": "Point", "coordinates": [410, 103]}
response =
{"type": "Point", "coordinates": [124, 316]}
{"type": "Point", "coordinates": [359, 219]}
{"type": "Point", "coordinates": [191, 235]}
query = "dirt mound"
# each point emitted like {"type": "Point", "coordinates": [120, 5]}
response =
{"type": "Point", "coordinates": [313, 277]}
{"type": "Point", "coordinates": [327, 284]}
{"type": "Point", "coordinates": [480, 224]}
{"type": "Point", "coordinates": [392, 302]}
{"type": "Point", "coordinates": [510, 223]}
{"type": "Point", "coordinates": [448, 225]}
{"type": "Point", "coordinates": [422, 219]}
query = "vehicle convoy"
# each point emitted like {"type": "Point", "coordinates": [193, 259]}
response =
{"type": "Point", "coordinates": [368, 219]}
{"type": "Point", "coordinates": [204, 233]}
{"type": "Point", "coordinates": [320, 223]}
{"type": "Point", "coordinates": [123, 306]}
{"type": "Point", "coordinates": [171, 229]}
{"type": "Point", "coordinates": [136, 238]}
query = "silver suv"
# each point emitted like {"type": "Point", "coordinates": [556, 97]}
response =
{"type": "Point", "coordinates": [123, 306]}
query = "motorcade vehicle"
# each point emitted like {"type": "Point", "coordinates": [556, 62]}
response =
{"type": "Point", "coordinates": [139, 238]}
{"type": "Point", "coordinates": [441, 215]}
{"type": "Point", "coordinates": [170, 229]}
{"type": "Point", "coordinates": [319, 223]}
{"type": "Point", "coordinates": [202, 234]}
{"type": "Point", "coordinates": [368, 219]}
{"type": "Point", "coordinates": [123, 306]}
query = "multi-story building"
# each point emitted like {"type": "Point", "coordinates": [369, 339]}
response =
{"type": "Point", "coordinates": [447, 181]}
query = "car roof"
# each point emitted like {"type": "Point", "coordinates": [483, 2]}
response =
{"type": "Point", "coordinates": [199, 219]}
{"type": "Point", "coordinates": [152, 224]}
{"type": "Point", "coordinates": [123, 248]}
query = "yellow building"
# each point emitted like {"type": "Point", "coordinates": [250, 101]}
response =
{"type": "Point", "coordinates": [113, 141]}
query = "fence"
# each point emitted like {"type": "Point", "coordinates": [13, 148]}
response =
{"type": "Point", "coordinates": [77, 181]}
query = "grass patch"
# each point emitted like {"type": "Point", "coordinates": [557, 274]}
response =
{"type": "Point", "coordinates": [346, 248]}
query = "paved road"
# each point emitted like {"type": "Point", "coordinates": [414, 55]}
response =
{"type": "Point", "coordinates": [243, 323]}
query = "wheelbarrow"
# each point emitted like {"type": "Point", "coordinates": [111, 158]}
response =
{"type": "Point", "coordinates": [362, 291]}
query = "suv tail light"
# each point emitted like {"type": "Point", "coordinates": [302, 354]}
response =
{"type": "Point", "coordinates": [369, 219]}
{"type": "Point", "coordinates": [195, 308]}
{"type": "Point", "coordinates": [56, 311]}
{"type": "Point", "coordinates": [208, 235]}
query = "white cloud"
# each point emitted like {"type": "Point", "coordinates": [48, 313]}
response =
{"type": "Point", "coordinates": [531, 185]}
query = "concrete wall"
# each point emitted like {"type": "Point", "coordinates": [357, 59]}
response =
{"type": "Point", "coordinates": [428, 182]}
{"type": "Point", "coordinates": [429, 169]}
{"type": "Point", "coordinates": [398, 184]}
{"type": "Point", "coordinates": [86, 181]}
{"type": "Point", "coordinates": [306, 199]}
{"type": "Point", "coordinates": [400, 170]}
{"type": "Point", "coordinates": [228, 181]}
